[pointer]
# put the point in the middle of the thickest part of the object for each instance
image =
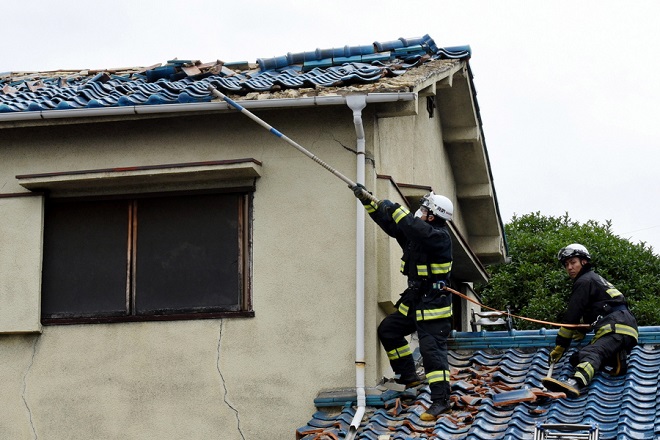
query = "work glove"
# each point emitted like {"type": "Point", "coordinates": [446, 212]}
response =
{"type": "Point", "coordinates": [556, 354]}
{"type": "Point", "coordinates": [361, 193]}
{"type": "Point", "coordinates": [388, 207]}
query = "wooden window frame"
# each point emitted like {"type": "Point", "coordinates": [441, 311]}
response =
{"type": "Point", "coordinates": [232, 175]}
{"type": "Point", "coordinates": [244, 232]}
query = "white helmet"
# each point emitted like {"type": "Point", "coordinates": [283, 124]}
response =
{"type": "Point", "coordinates": [573, 250]}
{"type": "Point", "coordinates": [440, 206]}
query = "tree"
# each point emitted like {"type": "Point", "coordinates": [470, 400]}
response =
{"type": "Point", "coordinates": [534, 285]}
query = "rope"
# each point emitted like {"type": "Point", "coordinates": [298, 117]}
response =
{"type": "Point", "coordinates": [538, 321]}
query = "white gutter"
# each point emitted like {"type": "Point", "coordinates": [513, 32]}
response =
{"type": "Point", "coordinates": [147, 109]}
{"type": "Point", "coordinates": [357, 103]}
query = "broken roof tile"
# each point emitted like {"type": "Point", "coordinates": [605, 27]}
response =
{"type": "Point", "coordinates": [190, 79]}
{"type": "Point", "coordinates": [512, 397]}
{"type": "Point", "coordinates": [622, 407]}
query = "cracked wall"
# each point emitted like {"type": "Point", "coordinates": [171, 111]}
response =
{"type": "Point", "coordinates": [225, 388]}
{"type": "Point", "coordinates": [236, 378]}
{"type": "Point", "coordinates": [16, 358]}
{"type": "Point", "coordinates": [135, 381]}
{"type": "Point", "coordinates": [24, 389]}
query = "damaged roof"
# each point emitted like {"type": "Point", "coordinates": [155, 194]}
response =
{"type": "Point", "coordinates": [389, 66]}
{"type": "Point", "coordinates": [497, 393]}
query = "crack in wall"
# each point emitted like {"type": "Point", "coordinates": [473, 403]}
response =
{"type": "Point", "coordinates": [224, 384]}
{"type": "Point", "coordinates": [368, 157]}
{"type": "Point", "coordinates": [25, 402]}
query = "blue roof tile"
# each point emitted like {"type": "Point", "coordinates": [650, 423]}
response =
{"type": "Point", "coordinates": [621, 407]}
{"type": "Point", "coordinates": [186, 81]}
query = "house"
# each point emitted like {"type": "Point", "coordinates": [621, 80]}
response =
{"type": "Point", "coordinates": [170, 269]}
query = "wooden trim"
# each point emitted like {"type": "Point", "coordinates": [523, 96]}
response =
{"type": "Point", "coordinates": [23, 194]}
{"type": "Point", "coordinates": [147, 318]}
{"type": "Point", "coordinates": [144, 179]}
{"type": "Point", "coordinates": [141, 168]}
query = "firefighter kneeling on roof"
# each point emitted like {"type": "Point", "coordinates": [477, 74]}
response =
{"type": "Point", "coordinates": [597, 301]}
{"type": "Point", "coordinates": [424, 307]}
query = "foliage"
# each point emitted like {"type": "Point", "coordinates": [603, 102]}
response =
{"type": "Point", "coordinates": [534, 285]}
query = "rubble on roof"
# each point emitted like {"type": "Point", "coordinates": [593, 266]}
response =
{"type": "Point", "coordinates": [394, 66]}
{"type": "Point", "coordinates": [472, 386]}
{"type": "Point", "coordinates": [497, 393]}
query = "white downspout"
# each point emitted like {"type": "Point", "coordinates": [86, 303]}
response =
{"type": "Point", "coordinates": [357, 103]}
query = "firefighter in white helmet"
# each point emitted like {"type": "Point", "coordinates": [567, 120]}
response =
{"type": "Point", "coordinates": [594, 300]}
{"type": "Point", "coordinates": [425, 306]}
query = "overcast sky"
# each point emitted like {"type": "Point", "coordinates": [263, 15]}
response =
{"type": "Point", "coordinates": [568, 90]}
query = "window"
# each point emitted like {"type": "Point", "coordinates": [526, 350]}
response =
{"type": "Point", "coordinates": [147, 257]}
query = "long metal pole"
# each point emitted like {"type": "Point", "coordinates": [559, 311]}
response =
{"type": "Point", "coordinates": [288, 140]}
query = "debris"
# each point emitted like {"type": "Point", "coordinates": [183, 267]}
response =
{"type": "Point", "coordinates": [471, 388]}
{"type": "Point", "coordinates": [513, 397]}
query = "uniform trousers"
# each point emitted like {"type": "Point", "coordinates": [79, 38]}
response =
{"type": "Point", "coordinates": [427, 312]}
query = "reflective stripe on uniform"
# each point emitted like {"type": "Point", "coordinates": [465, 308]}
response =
{"type": "Point", "coordinates": [440, 268]}
{"type": "Point", "coordinates": [436, 268]}
{"type": "Point", "coordinates": [400, 352]}
{"type": "Point", "coordinates": [585, 371]}
{"type": "Point", "coordinates": [621, 329]}
{"type": "Point", "coordinates": [429, 314]}
{"type": "Point", "coordinates": [400, 213]}
{"type": "Point", "coordinates": [438, 376]}
{"type": "Point", "coordinates": [565, 333]}
{"type": "Point", "coordinates": [403, 309]}
{"type": "Point", "coordinates": [371, 207]}
{"type": "Point", "coordinates": [613, 292]}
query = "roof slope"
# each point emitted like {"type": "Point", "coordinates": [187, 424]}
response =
{"type": "Point", "coordinates": [187, 81]}
{"type": "Point", "coordinates": [507, 401]}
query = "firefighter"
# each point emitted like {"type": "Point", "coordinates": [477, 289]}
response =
{"type": "Point", "coordinates": [424, 307]}
{"type": "Point", "coordinates": [597, 302]}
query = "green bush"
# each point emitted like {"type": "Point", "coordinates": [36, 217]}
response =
{"type": "Point", "coordinates": [534, 285]}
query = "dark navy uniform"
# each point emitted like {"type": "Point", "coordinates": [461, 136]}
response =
{"type": "Point", "coordinates": [595, 300]}
{"type": "Point", "coordinates": [423, 307]}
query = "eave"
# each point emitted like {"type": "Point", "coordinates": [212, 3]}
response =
{"type": "Point", "coordinates": [475, 192]}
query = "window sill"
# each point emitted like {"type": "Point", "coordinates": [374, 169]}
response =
{"type": "Point", "coordinates": [146, 318]}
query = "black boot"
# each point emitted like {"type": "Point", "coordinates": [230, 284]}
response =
{"type": "Point", "coordinates": [409, 381]}
{"type": "Point", "coordinates": [405, 368]}
{"type": "Point", "coordinates": [438, 407]}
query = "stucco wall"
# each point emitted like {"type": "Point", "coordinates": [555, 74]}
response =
{"type": "Point", "coordinates": [20, 263]}
{"type": "Point", "coordinates": [225, 378]}
{"type": "Point", "coordinates": [232, 378]}
{"type": "Point", "coordinates": [411, 150]}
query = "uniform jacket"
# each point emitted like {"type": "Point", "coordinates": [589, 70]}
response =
{"type": "Point", "coordinates": [427, 249]}
{"type": "Point", "coordinates": [594, 300]}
